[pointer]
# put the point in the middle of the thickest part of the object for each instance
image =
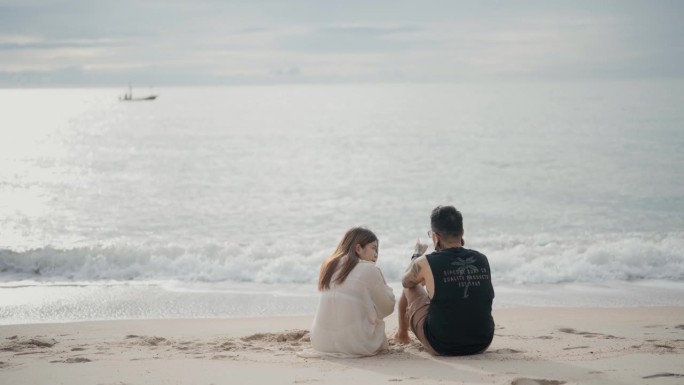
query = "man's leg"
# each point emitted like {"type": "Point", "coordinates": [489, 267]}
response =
{"type": "Point", "coordinates": [402, 336]}
{"type": "Point", "coordinates": [418, 307]}
{"type": "Point", "coordinates": [416, 293]}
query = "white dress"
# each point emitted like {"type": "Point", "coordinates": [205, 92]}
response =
{"type": "Point", "coordinates": [348, 321]}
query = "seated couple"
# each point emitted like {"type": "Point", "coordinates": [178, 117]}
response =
{"type": "Point", "coordinates": [446, 301]}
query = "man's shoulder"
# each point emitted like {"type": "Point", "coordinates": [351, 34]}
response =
{"type": "Point", "coordinates": [460, 251]}
{"type": "Point", "coordinates": [477, 253]}
{"type": "Point", "coordinates": [449, 255]}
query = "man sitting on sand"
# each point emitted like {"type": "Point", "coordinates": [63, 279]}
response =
{"type": "Point", "coordinates": [454, 316]}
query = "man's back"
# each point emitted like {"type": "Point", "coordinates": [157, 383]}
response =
{"type": "Point", "coordinates": [460, 319]}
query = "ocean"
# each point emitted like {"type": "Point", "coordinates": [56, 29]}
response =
{"type": "Point", "coordinates": [223, 201]}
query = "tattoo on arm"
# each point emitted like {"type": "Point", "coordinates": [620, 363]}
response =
{"type": "Point", "coordinates": [411, 278]}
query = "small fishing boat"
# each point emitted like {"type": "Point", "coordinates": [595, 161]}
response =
{"type": "Point", "coordinates": [128, 96]}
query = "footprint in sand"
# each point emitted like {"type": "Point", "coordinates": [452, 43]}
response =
{"type": "Point", "coordinates": [293, 339]}
{"type": "Point", "coordinates": [576, 347]}
{"type": "Point", "coordinates": [19, 344]}
{"type": "Point", "coordinates": [76, 360]}
{"type": "Point", "coordinates": [587, 334]}
{"type": "Point", "coordinates": [506, 351]}
{"type": "Point", "coordinates": [154, 341]}
{"type": "Point", "coordinates": [228, 346]}
{"type": "Point", "coordinates": [150, 341]}
{"type": "Point", "coordinates": [72, 360]}
{"type": "Point", "coordinates": [530, 381]}
{"type": "Point", "coordinates": [663, 375]}
{"type": "Point", "coordinates": [290, 335]}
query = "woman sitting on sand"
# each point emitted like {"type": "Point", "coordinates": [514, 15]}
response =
{"type": "Point", "coordinates": [354, 299]}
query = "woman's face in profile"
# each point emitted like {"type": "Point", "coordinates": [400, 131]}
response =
{"type": "Point", "coordinates": [368, 252]}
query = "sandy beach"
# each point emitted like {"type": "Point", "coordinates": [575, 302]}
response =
{"type": "Point", "coordinates": [176, 175]}
{"type": "Point", "coordinates": [532, 346]}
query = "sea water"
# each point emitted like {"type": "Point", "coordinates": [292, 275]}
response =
{"type": "Point", "coordinates": [224, 201]}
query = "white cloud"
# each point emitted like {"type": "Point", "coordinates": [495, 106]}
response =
{"type": "Point", "coordinates": [310, 41]}
{"type": "Point", "coordinates": [49, 59]}
{"type": "Point", "coordinates": [20, 39]}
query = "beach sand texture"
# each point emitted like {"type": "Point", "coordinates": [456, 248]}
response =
{"type": "Point", "coordinates": [532, 346]}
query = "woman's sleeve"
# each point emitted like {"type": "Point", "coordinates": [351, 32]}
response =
{"type": "Point", "coordinates": [382, 296]}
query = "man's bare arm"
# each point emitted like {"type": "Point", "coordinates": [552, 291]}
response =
{"type": "Point", "coordinates": [413, 276]}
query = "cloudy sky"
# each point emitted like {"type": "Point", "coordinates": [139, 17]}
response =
{"type": "Point", "coordinates": [206, 42]}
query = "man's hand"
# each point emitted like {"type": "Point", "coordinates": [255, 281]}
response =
{"type": "Point", "coordinates": [419, 249]}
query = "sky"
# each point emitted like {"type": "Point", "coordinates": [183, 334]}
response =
{"type": "Point", "coordinates": [211, 42]}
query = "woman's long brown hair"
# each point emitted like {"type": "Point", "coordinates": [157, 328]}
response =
{"type": "Point", "coordinates": [353, 237]}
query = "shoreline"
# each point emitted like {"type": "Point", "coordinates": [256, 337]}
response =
{"type": "Point", "coordinates": [48, 303]}
{"type": "Point", "coordinates": [532, 345]}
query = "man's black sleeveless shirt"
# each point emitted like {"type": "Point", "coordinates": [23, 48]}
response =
{"type": "Point", "coordinates": [460, 321]}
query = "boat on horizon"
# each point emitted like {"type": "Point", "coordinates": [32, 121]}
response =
{"type": "Point", "coordinates": [128, 96]}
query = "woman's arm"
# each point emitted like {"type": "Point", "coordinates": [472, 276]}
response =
{"type": "Point", "coordinates": [382, 296]}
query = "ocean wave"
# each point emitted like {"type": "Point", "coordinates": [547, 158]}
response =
{"type": "Point", "coordinates": [595, 258]}
{"type": "Point", "coordinates": [541, 258]}
{"type": "Point", "coordinates": [126, 263]}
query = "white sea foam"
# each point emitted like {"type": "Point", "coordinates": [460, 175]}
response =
{"type": "Point", "coordinates": [537, 259]}
{"type": "Point", "coordinates": [607, 257]}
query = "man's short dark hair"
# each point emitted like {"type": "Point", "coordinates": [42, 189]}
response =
{"type": "Point", "coordinates": [447, 221]}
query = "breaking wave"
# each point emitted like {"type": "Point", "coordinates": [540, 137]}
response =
{"type": "Point", "coordinates": [538, 259]}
